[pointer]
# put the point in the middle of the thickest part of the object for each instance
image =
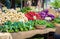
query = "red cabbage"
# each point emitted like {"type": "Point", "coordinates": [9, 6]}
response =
{"type": "Point", "coordinates": [43, 15]}
{"type": "Point", "coordinates": [46, 11]}
{"type": "Point", "coordinates": [50, 15]}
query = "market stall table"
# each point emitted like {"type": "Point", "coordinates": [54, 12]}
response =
{"type": "Point", "coordinates": [28, 34]}
{"type": "Point", "coordinates": [5, 36]}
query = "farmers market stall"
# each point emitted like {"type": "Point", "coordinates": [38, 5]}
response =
{"type": "Point", "coordinates": [27, 22]}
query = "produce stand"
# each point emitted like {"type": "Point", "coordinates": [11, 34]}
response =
{"type": "Point", "coordinates": [26, 34]}
{"type": "Point", "coordinates": [31, 21]}
{"type": "Point", "coordinates": [24, 26]}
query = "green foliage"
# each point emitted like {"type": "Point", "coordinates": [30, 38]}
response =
{"type": "Point", "coordinates": [30, 25]}
{"type": "Point", "coordinates": [50, 25]}
{"type": "Point", "coordinates": [56, 4]}
{"type": "Point", "coordinates": [43, 22]}
{"type": "Point", "coordinates": [57, 20]}
{"type": "Point", "coordinates": [40, 22]}
{"type": "Point", "coordinates": [25, 9]}
{"type": "Point", "coordinates": [8, 23]}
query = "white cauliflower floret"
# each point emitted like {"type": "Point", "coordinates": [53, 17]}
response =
{"type": "Point", "coordinates": [48, 18]}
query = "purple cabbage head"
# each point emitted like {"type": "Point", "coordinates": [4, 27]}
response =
{"type": "Point", "coordinates": [43, 15]}
{"type": "Point", "coordinates": [46, 11]}
{"type": "Point", "coordinates": [50, 15]}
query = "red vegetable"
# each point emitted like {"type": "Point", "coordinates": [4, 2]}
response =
{"type": "Point", "coordinates": [30, 15]}
{"type": "Point", "coordinates": [38, 16]}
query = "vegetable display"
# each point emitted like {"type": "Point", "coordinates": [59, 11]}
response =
{"type": "Point", "coordinates": [45, 23]}
{"type": "Point", "coordinates": [45, 13]}
{"type": "Point", "coordinates": [17, 26]}
{"type": "Point", "coordinates": [57, 20]}
{"type": "Point", "coordinates": [25, 9]}
{"type": "Point", "coordinates": [14, 21]}
{"type": "Point", "coordinates": [50, 15]}
{"type": "Point", "coordinates": [12, 15]}
{"type": "Point", "coordinates": [50, 25]}
{"type": "Point", "coordinates": [33, 16]}
{"type": "Point", "coordinates": [40, 22]}
{"type": "Point", "coordinates": [21, 26]}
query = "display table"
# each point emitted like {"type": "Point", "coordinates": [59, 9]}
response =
{"type": "Point", "coordinates": [5, 36]}
{"type": "Point", "coordinates": [25, 34]}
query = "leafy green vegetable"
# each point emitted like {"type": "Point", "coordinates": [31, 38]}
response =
{"type": "Point", "coordinates": [1, 28]}
{"type": "Point", "coordinates": [46, 23]}
{"type": "Point", "coordinates": [50, 25]}
{"type": "Point", "coordinates": [40, 22]}
{"type": "Point", "coordinates": [30, 25]}
{"type": "Point", "coordinates": [8, 23]}
{"type": "Point", "coordinates": [25, 9]}
{"type": "Point", "coordinates": [56, 20]}
{"type": "Point", "coordinates": [17, 26]}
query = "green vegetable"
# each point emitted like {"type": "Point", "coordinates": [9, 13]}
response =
{"type": "Point", "coordinates": [17, 26]}
{"type": "Point", "coordinates": [21, 29]}
{"type": "Point", "coordinates": [40, 22]}
{"type": "Point", "coordinates": [57, 20]}
{"type": "Point", "coordinates": [16, 30]}
{"type": "Point", "coordinates": [50, 25]}
{"type": "Point", "coordinates": [8, 23]}
{"type": "Point", "coordinates": [25, 9]}
{"type": "Point", "coordinates": [11, 31]}
{"type": "Point", "coordinates": [43, 22]}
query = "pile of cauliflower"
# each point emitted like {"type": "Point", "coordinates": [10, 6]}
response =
{"type": "Point", "coordinates": [13, 16]}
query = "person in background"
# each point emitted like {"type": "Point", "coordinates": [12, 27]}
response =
{"type": "Point", "coordinates": [33, 3]}
{"type": "Point", "coordinates": [1, 5]}
{"type": "Point", "coordinates": [29, 3]}
{"type": "Point", "coordinates": [39, 4]}
{"type": "Point", "coordinates": [8, 3]}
